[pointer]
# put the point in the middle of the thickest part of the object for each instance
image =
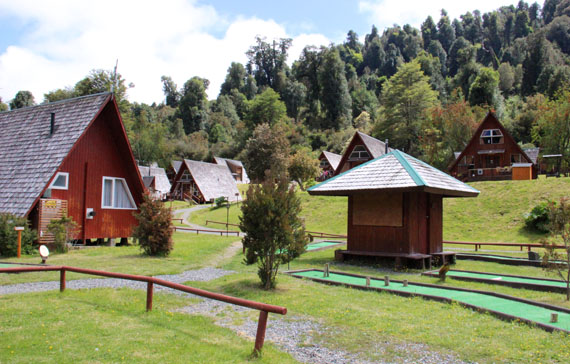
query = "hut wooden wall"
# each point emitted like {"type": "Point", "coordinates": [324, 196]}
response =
{"type": "Point", "coordinates": [101, 151]}
{"type": "Point", "coordinates": [420, 231]}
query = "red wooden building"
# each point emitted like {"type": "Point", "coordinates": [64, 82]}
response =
{"type": "Point", "coordinates": [491, 154]}
{"type": "Point", "coordinates": [361, 149]}
{"type": "Point", "coordinates": [74, 156]}
{"type": "Point", "coordinates": [395, 207]}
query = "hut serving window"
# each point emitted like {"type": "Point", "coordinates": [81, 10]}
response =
{"type": "Point", "coordinates": [491, 136]}
{"type": "Point", "coordinates": [359, 152]}
{"type": "Point", "coordinates": [60, 182]}
{"type": "Point", "coordinates": [116, 194]}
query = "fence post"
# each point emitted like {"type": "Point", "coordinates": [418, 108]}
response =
{"type": "Point", "coordinates": [149, 290]}
{"type": "Point", "coordinates": [62, 280]}
{"type": "Point", "coordinates": [261, 326]}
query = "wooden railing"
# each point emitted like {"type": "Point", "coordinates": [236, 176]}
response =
{"type": "Point", "coordinates": [312, 234]}
{"type": "Point", "coordinates": [516, 245]}
{"type": "Point", "coordinates": [221, 223]}
{"type": "Point", "coordinates": [208, 231]}
{"type": "Point", "coordinates": [264, 309]}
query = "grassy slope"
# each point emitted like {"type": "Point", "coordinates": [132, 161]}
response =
{"type": "Point", "coordinates": [496, 215]}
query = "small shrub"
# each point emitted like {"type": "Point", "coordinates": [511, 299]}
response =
{"type": "Point", "coordinates": [9, 237]}
{"type": "Point", "coordinates": [538, 218]}
{"type": "Point", "coordinates": [221, 202]}
{"type": "Point", "coordinates": [154, 231]}
{"type": "Point", "coordinates": [63, 231]}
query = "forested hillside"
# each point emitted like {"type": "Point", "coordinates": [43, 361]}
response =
{"type": "Point", "coordinates": [423, 89]}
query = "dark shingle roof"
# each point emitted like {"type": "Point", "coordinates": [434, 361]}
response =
{"type": "Point", "coordinates": [213, 180]}
{"type": "Point", "coordinates": [29, 155]}
{"type": "Point", "coordinates": [532, 153]}
{"type": "Point", "coordinates": [393, 171]}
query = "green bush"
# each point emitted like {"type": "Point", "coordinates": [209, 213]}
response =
{"type": "Point", "coordinates": [537, 219]}
{"type": "Point", "coordinates": [63, 230]}
{"type": "Point", "coordinates": [221, 202]}
{"type": "Point", "coordinates": [9, 237]}
{"type": "Point", "coordinates": [154, 231]}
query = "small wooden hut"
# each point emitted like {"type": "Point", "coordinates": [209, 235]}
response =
{"type": "Point", "coordinates": [395, 207]}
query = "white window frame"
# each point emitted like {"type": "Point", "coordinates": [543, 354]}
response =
{"type": "Point", "coordinates": [124, 182]}
{"type": "Point", "coordinates": [493, 133]}
{"type": "Point", "coordinates": [359, 152]}
{"type": "Point", "coordinates": [58, 174]}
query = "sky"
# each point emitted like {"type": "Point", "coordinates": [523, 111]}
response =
{"type": "Point", "coordinates": [51, 44]}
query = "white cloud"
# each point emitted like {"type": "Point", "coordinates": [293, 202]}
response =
{"type": "Point", "coordinates": [385, 13]}
{"type": "Point", "coordinates": [68, 38]}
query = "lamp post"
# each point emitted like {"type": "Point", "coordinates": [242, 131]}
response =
{"type": "Point", "coordinates": [228, 215]}
{"type": "Point", "coordinates": [19, 229]}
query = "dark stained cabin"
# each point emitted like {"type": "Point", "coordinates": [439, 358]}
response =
{"type": "Point", "coordinates": [491, 154]}
{"type": "Point", "coordinates": [73, 156]}
{"type": "Point", "coordinates": [328, 163]}
{"type": "Point", "coordinates": [204, 182]}
{"type": "Point", "coordinates": [395, 207]}
{"type": "Point", "coordinates": [361, 149]}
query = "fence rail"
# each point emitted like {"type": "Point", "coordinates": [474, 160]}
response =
{"type": "Point", "coordinates": [208, 231]}
{"type": "Point", "coordinates": [264, 308]}
{"type": "Point", "coordinates": [521, 245]}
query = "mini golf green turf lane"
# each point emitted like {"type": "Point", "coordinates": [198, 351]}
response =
{"type": "Point", "coordinates": [503, 305]}
{"type": "Point", "coordinates": [499, 277]}
{"type": "Point", "coordinates": [7, 265]}
{"type": "Point", "coordinates": [323, 244]}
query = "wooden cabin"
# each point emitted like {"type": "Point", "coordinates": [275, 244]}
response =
{"type": "Point", "coordinates": [395, 208]}
{"type": "Point", "coordinates": [490, 154]}
{"type": "Point", "coordinates": [156, 181]}
{"type": "Point", "coordinates": [72, 157]}
{"type": "Point", "coordinates": [236, 169]}
{"type": "Point", "coordinates": [361, 149]}
{"type": "Point", "coordinates": [204, 182]}
{"type": "Point", "coordinates": [328, 163]}
{"type": "Point", "coordinates": [172, 170]}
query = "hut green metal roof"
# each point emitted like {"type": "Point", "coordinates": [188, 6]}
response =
{"type": "Point", "coordinates": [396, 171]}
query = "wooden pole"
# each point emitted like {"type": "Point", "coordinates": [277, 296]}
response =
{"type": "Point", "coordinates": [62, 280]}
{"type": "Point", "coordinates": [261, 326]}
{"type": "Point", "coordinates": [19, 229]}
{"type": "Point", "coordinates": [149, 291]}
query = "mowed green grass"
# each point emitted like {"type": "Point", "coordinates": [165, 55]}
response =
{"type": "Point", "coordinates": [496, 215]}
{"type": "Point", "coordinates": [111, 326]}
{"type": "Point", "coordinates": [190, 251]}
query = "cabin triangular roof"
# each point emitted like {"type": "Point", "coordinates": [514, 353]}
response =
{"type": "Point", "coordinates": [375, 148]}
{"type": "Point", "coordinates": [332, 158]}
{"type": "Point", "coordinates": [477, 133]}
{"type": "Point", "coordinates": [161, 182]}
{"type": "Point", "coordinates": [394, 171]}
{"type": "Point", "coordinates": [30, 156]}
{"type": "Point", "coordinates": [227, 162]}
{"type": "Point", "coordinates": [213, 180]}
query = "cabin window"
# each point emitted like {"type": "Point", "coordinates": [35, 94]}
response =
{"type": "Point", "coordinates": [359, 152]}
{"type": "Point", "coordinates": [324, 163]}
{"type": "Point", "coordinates": [186, 177]}
{"type": "Point", "coordinates": [60, 182]}
{"type": "Point", "coordinates": [516, 158]}
{"type": "Point", "coordinates": [491, 136]}
{"type": "Point", "coordinates": [116, 194]}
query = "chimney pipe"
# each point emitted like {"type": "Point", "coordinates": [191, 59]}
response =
{"type": "Point", "coordinates": [386, 146]}
{"type": "Point", "coordinates": [52, 124]}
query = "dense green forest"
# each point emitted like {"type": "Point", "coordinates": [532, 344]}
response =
{"type": "Point", "coordinates": [423, 89]}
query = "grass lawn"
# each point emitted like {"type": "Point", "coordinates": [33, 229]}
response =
{"type": "Point", "coordinates": [111, 326]}
{"type": "Point", "coordinates": [496, 215]}
{"type": "Point", "coordinates": [191, 251]}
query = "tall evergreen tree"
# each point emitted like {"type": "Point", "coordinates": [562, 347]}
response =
{"type": "Point", "coordinates": [334, 97]}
